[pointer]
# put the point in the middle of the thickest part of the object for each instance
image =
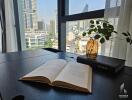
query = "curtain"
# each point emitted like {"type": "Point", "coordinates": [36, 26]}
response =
{"type": "Point", "coordinates": [0, 39]}
{"type": "Point", "coordinates": [2, 27]}
{"type": "Point", "coordinates": [119, 13]}
{"type": "Point", "coordinates": [11, 39]}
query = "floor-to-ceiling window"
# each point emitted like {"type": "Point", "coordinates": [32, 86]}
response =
{"type": "Point", "coordinates": [75, 18]}
{"type": "Point", "coordinates": [39, 23]}
{"type": "Point", "coordinates": [81, 6]}
{"type": "Point", "coordinates": [42, 21]}
{"type": "Point", "coordinates": [75, 43]}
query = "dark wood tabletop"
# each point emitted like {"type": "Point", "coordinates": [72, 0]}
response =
{"type": "Point", "coordinates": [17, 64]}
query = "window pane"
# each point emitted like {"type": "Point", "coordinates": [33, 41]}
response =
{"type": "Point", "coordinates": [75, 42]}
{"type": "Point", "coordinates": [40, 23]}
{"type": "Point", "coordinates": [80, 6]}
{"type": "Point", "coordinates": [0, 38]}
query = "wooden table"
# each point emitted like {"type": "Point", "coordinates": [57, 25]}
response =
{"type": "Point", "coordinates": [15, 65]}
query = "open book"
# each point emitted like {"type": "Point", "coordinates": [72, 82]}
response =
{"type": "Point", "coordinates": [60, 73]}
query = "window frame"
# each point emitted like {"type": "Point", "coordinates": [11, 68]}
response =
{"type": "Point", "coordinates": [63, 17]}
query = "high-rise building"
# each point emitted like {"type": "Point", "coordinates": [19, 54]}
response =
{"type": "Point", "coordinates": [52, 27]}
{"type": "Point", "coordinates": [85, 9]}
{"type": "Point", "coordinates": [84, 24]}
{"type": "Point", "coordinates": [30, 15]}
{"type": "Point", "coordinates": [40, 26]}
{"type": "Point", "coordinates": [56, 22]}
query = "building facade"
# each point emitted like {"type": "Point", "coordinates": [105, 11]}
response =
{"type": "Point", "coordinates": [30, 15]}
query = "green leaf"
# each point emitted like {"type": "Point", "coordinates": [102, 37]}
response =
{"type": "Point", "coordinates": [102, 40]}
{"type": "Point", "coordinates": [92, 26]}
{"type": "Point", "coordinates": [89, 32]}
{"type": "Point", "coordinates": [111, 27]}
{"type": "Point", "coordinates": [115, 32]}
{"type": "Point", "coordinates": [97, 22]}
{"type": "Point", "coordinates": [104, 31]}
{"type": "Point", "coordinates": [106, 21]}
{"type": "Point", "coordinates": [97, 36]}
{"type": "Point", "coordinates": [92, 21]}
{"type": "Point", "coordinates": [95, 29]}
{"type": "Point", "coordinates": [92, 30]}
{"type": "Point", "coordinates": [125, 34]}
{"type": "Point", "coordinates": [109, 34]}
{"type": "Point", "coordinates": [99, 27]}
{"type": "Point", "coordinates": [104, 25]}
{"type": "Point", "coordinates": [100, 30]}
{"type": "Point", "coordinates": [107, 37]}
{"type": "Point", "coordinates": [128, 40]}
{"type": "Point", "coordinates": [131, 42]}
{"type": "Point", "coordinates": [84, 33]}
{"type": "Point", "coordinates": [128, 33]}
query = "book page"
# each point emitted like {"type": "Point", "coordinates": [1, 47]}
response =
{"type": "Point", "coordinates": [78, 76]}
{"type": "Point", "coordinates": [47, 71]}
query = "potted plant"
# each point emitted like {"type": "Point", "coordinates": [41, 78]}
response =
{"type": "Point", "coordinates": [100, 31]}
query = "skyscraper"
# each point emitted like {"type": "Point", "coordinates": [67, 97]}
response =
{"type": "Point", "coordinates": [85, 23]}
{"type": "Point", "coordinates": [52, 27]}
{"type": "Point", "coordinates": [56, 22]}
{"type": "Point", "coordinates": [30, 15]}
{"type": "Point", "coordinates": [85, 9]}
{"type": "Point", "coordinates": [40, 25]}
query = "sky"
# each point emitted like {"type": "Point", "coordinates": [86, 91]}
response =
{"type": "Point", "coordinates": [47, 8]}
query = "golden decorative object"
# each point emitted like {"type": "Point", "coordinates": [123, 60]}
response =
{"type": "Point", "coordinates": [92, 48]}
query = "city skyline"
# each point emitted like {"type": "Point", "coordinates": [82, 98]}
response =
{"type": "Point", "coordinates": [42, 32]}
{"type": "Point", "coordinates": [38, 34]}
{"type": "Point", "coordinates": [47, 8]}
